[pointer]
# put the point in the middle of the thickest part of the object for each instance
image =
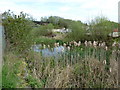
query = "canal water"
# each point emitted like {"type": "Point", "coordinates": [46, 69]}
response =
{"type": "Point", "coordinates": [49, 51]}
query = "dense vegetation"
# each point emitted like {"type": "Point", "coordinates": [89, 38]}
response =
{"type": "Point", "coordinates": [17, 30]}
{"type": "Point", "coordinates": [97, 29]}
{"type": "Point", "coordinates": [84, 65]}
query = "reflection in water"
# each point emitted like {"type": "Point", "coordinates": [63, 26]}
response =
{"type": "Point", "coordinates": [49, 51]}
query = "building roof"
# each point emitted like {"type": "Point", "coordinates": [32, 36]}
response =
{"type": "Point", "coordinates": [115, 30]}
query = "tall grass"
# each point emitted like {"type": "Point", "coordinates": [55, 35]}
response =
{"type": "Point", "coordinates": [63, 73]}
{"type": "Point", "coordinates": [83, 66]}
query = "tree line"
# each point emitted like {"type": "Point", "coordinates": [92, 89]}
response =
{"type": "Point", "coordinates": [20, 29]}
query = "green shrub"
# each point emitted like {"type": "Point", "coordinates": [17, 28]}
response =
{"type": "Point", "coordinates": [101, 27]}
{"type": "Point", "coordinates": [44, 40]}
{"type": "Point", "coordinates": [78, 32]}
{"type": "Point", "coordinates": [17, 30]}
{"type": "Point", "coordinates": [33, 82]}
{"type": "Point", "coordinates": [42, 30]}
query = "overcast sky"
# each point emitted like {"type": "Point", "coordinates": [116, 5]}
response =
{"type": "Point", "coordinates": [83, 10]}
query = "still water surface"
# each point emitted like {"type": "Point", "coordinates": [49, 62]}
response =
{"type": "Point", "coordinates": [49, 51]}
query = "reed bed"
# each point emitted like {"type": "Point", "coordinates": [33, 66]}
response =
{"type": "Point", "coordinates": [83, 66]}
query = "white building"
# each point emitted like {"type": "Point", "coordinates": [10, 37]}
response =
{"type": "Point", "coordinates": [115, 33]}
{"type": "Point", "coordinates": [63, 30]}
